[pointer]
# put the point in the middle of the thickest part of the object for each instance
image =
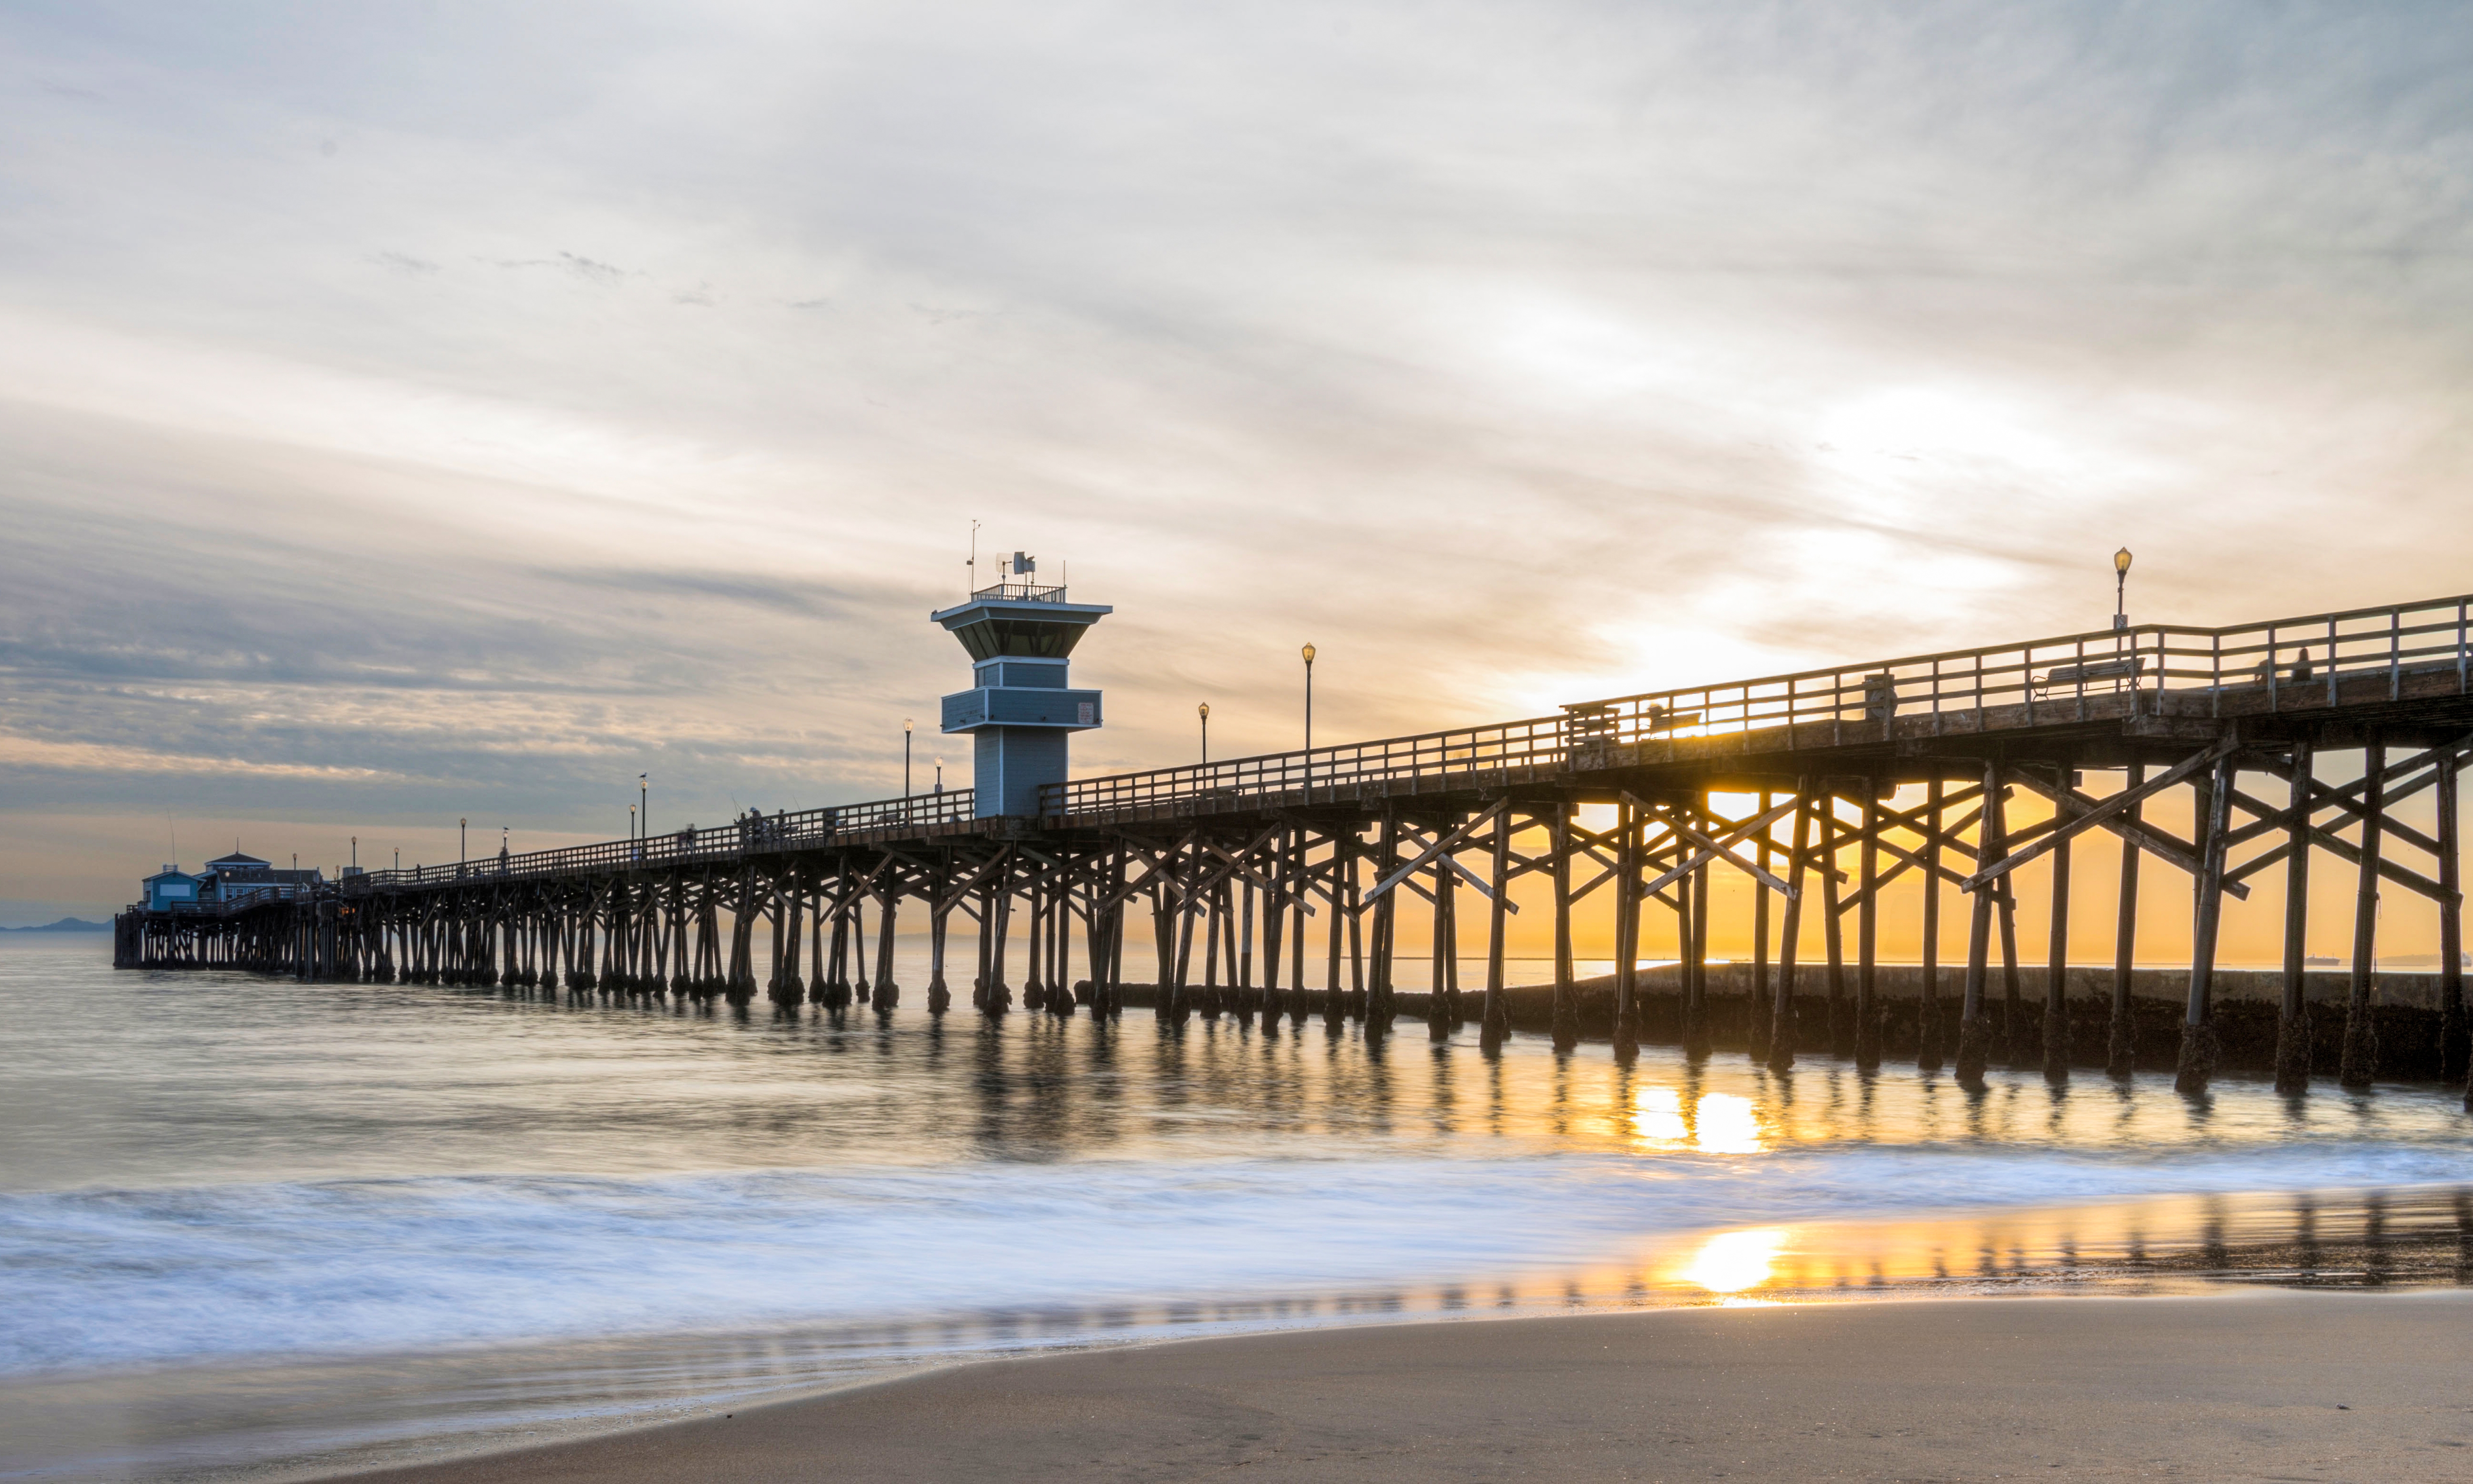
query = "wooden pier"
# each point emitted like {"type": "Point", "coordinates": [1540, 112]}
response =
{"type": "Point", "coordinates": [1276, 886]}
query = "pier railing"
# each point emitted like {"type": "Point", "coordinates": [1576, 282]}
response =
{"type": "Point", "coordinates": [752, 834]}
{"type": "Point", "coordinates": [1429, 763]}
{"type": "Point", "coordinates": [2359, 656]}
{"type": "Point", "coordinates": [2324, 659]}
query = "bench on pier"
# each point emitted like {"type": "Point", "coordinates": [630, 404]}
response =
{"type": "Point", "coordinates": [2127, 668]}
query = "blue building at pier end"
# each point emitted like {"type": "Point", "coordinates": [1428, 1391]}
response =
{"type": "Point", "coordinates": [1019, 711]}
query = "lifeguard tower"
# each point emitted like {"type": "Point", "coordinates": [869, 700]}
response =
{"type": "Point", "coordinates": [1019, 711]}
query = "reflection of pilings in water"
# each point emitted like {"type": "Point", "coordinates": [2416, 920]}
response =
{"type": "Point", "coordinates": [2378, 1263]}
{"type": "Point", "coordinates": [2212, 1247]}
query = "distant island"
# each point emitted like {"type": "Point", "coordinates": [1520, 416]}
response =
{"type": "Point", "coordinates": [64, 925]}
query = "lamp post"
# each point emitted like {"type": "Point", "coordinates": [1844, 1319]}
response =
{"type": "Point", "coordinates": [2120, 591]}
{"type": "Point", "coordinates": [905, 758]}
{"type": "Point", "coordinates": [1309, 652]}
{"type": "Point", "coordinates": [459, 856]}
{"type": "Point", "coordinates": [1205, 712]}
{"type": "Point", "coordinates": [356, 852]}
{"type": "Point", "coordinates": [631, 823]}
{"type": "Point", "coordinates": [940, 775]}
{"type": "Point", "coordinates": [644, 798]}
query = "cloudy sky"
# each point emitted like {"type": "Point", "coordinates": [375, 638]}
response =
{"type": "Point", "coordinates": [421, 411]}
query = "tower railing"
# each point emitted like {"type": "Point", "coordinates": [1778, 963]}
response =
{"type": "Point", "coordinates": [1023, 592]}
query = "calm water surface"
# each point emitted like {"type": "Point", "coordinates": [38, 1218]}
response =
{"type": "Point", "coordinates": [256, 1226]}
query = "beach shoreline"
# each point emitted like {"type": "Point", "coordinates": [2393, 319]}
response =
{"type": "Point", "coordinates": [2244, 1382]}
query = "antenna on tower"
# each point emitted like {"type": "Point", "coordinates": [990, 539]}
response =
{"type": "Point", "coordinates": [973, 563]}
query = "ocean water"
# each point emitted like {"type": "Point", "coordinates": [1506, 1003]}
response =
{"type": "Point", "coordinates": [253, 1226]}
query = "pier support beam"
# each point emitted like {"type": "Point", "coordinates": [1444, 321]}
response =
{"type": "Point", "coordinates": [1627, 1030]}
{"type": "Point", "coordinates": [887, 992]}
{"type": "Point", "coordinates": [2293, 1019]}
{"type": "Point", "coordinates": [2057, 971]}
{"type": "Point", "coordinates": [1781, 1013]}
{"type": "Point", "coordinates": [1758, 1008]}
{"type": "Point", "coordinates": [2453, 1050]}
{"type": "Point", "coordinates": [1974, 1030]}
{"type": "Point", "coordinates": [1691, 917]}
{"type": "Point", "coordinates": [1841, 1025]}
{"type": "Point", "coordinates": [1567, 991]}
{"type": "Point", "coordinates": [1496, 1022]}
{"type": "Point", "coordinates": [2196, 1066]}
{"type": "Point", "coordinates": [1931, 1034]}
{"type": "Point", "coordinates": [1867, 1004]}
{"type": "Point", "coordinates": [940, 994]}
{"type": "Point", "coordinates": [2121, 1041]}
{"type": "Point", "coordinates": [2360, 1055]}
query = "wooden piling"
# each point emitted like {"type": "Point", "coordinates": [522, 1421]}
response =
{"type": "Point", "coordinates": [1274, 922]}
{"type": "Point", "coordinates": [1301, 877]}
{"type": "Point", "coordinates": [2454, 1056]}
{"type": "Point", "coordinates": [1931, 1046]}
{"type": "Point", "coordinates": [1334, 998]}
{"type": "Point", "coordinates": [1496, 1020]}
{"type": "Point", "coordinates": [1627, 883]}
{"type": "Point", "coordinates": [2361, 1055]}
{"type": "Point", "coordinates": [2055, 1035]}
{"type": "Point", "coordinates": [2196, 1066]}
{"type": "Point", "coordinates": [1696, 1038]}
{"type": "Point", "coordinates": [1841, 1017]}
{"type": "Point", "coordinates": [1567, 989]}
{"type": "Point", "coordinates": [1867, 1005]}
{"type": "Point", "coordinates": [2017, 1033]}
{"type": "Point", "coordinates": [2121, 1041]}
{"type": "Point", "coordinates": [888, 994]}
{"type": "Point", "coordinates": [940, 994]}
{"type": "Point", "coordinates": [1974, 1031]}
{"type": "Point", "coordinates": [2293, 1019]}
{"type": "Point", "coordinates": [1758, 1008]}
{"type": "Point", "coordinates": [1781, 1013]}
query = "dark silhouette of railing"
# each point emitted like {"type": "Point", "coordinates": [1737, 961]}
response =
{"type": "Point", "coordinates": [750, 834]}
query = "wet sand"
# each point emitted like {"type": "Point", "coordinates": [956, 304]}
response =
{"type": "Point", "coordinates": [2249, 1385]}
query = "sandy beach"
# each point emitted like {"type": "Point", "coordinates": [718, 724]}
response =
{"type": "Point", "coordinates": [2248, 1384]}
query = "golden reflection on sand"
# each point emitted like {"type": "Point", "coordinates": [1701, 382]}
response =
{"type": "Point", "coordinates": [1732, 1262]}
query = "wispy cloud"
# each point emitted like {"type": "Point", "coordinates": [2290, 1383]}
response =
{"type": "Point", "coordinates": [1512, 355]}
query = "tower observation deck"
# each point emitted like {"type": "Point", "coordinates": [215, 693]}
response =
{"type": "Point", "coordinates": [1019, 710]}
